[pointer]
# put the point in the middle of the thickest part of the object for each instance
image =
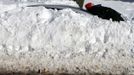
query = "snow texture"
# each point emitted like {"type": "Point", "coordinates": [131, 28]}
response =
{"type": "Point", "coordinates": [34, 38]}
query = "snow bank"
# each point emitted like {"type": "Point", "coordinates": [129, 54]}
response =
{"type": "Point", "coordinates": [35, 38]}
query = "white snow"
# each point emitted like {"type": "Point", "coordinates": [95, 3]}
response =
{"type": "Point", "coordinates": [34, 38]}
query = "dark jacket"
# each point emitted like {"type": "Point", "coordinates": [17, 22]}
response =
{"type": "Point", "coordinates": [105, 13]}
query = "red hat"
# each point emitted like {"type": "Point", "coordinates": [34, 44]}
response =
{"type": "Point", "coordinates": [89, 5]}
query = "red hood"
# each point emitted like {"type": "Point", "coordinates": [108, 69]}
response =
{"type": "Point", "coordinates": [89, 5]}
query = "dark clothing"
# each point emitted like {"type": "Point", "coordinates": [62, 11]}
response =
{"type": "Point", "coordinates": [105, 13]}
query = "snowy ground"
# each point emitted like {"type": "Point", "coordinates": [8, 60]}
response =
{"type": "Point", "coordinates": [34, 38]}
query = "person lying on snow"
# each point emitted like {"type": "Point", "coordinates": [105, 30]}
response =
{"type": "Point", "coordinates": [103, 12]}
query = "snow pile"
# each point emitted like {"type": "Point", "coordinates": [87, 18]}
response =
{"type": "Point", "coordinates": [34, 38]}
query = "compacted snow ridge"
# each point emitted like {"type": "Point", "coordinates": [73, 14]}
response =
{"type": "Point", "coordinates": [36, 38]}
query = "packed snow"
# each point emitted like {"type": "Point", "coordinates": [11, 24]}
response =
{"type": "Point", "coordinates": [36, 38]}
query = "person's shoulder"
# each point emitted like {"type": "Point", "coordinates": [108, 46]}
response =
{"type": "Point", "coordinates": [103, 7]}
{"type": "Point", "coordinates": [98, 5]}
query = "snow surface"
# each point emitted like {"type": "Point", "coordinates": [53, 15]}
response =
{"type": "Point", "coordinates": [34, 38]}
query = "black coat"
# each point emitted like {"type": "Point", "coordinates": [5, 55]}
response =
{"type": "Point", "coordinates": [105, 13]}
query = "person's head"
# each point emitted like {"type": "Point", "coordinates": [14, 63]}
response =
{"type": "Point", "coordinates": [89, 5]}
